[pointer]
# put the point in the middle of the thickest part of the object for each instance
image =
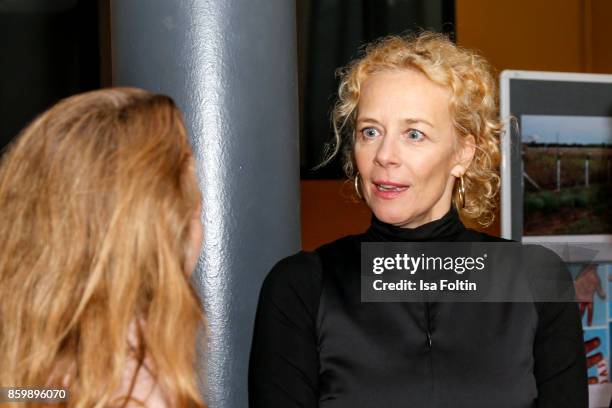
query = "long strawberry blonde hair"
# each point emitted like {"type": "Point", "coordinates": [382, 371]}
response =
{"type": "Point", "coordinates": [96, 198]}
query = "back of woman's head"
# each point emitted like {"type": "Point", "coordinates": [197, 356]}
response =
{"type": "Point", "coordinates": [96, 198]}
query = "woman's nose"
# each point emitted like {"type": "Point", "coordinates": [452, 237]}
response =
{"type": "Point", "coordinates": [387, 154]}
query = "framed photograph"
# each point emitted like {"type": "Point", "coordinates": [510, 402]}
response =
{"type": "Point", "coordinates": [557, 190]}
{"type": "Point", "coordinates": [556, 157]}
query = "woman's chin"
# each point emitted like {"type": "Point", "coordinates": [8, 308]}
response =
{"type": "Point", "coordinates": [392, 217]}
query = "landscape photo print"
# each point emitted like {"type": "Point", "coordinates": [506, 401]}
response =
{"type": "Point", "coordinates": [567, 174]}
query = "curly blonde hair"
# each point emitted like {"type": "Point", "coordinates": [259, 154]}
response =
{"type": "Point", "coordinates": [473, 106]}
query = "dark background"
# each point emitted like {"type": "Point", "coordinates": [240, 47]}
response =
{"type": "Point", "coordinates": [50, 50]}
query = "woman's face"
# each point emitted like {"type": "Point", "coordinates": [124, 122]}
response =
{"type": "Point", "coordinates": [405, 148]}
{"type": "Point", "coordinates": [196, 234]}
{"type": "Point", "coordinates": [196, 231]}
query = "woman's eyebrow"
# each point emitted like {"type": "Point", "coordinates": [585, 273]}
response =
{"type": "Point", "coordinates": [370, 120]}
{"type": "Point", "coordinates": [418, 120]}
{"type": "Point", "coordinates": [409, 121]}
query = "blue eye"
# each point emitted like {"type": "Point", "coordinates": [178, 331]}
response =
{"type": "Point", "coordinates": [415, 135]}
{"type": "Point", "coordinates": [369, 132]}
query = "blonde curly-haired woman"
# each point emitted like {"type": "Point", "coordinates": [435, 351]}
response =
{"type": "Point", "coordinates": [99, 233]}
{"type": "Point", "coordinates": [419, 120]}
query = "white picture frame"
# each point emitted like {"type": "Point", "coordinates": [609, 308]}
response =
{"type": "Point", "coordinates": [508, 157]}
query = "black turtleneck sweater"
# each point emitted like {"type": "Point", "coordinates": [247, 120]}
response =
{"type": "Point", "coordinates": [317, 345]}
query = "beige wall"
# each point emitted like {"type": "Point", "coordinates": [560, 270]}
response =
{"type": "Point", "coordinates": [601, 30]}
{"type": "Point", "coordinates": [543, 35]}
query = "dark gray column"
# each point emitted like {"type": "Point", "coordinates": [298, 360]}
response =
{"type": "Point", "coordinates": [231, 67]}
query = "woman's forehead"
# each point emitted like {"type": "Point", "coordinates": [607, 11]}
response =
{"type": "Point", "coordinates": [403, 95]}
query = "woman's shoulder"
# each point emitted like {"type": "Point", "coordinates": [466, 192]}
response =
{"type": "Point", "coordinates": [290, 293]}
{"type": "Point", "coordinates": [140, 387]}
{"type": "Point", "coordinates": [302, 272]}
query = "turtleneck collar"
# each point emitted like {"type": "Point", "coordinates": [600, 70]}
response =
{"type": "Point", "coordinates": [447, 228]}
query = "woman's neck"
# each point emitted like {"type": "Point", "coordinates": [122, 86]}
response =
{"type": "Point", "coordinates": [446, 228]}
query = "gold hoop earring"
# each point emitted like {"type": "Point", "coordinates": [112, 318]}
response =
{"type": "Point", "coordinates": [356, 184]}
{"type": "Point", "coordinates": [462, 192]}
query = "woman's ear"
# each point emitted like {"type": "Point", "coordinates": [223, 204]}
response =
{"type": "Point", "coordinates": [464, 155]}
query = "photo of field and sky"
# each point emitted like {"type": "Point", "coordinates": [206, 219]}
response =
{"type": "Point", "coordinates": [567, 174]}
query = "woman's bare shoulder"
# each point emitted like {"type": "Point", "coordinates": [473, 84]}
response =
{"type": "Point", "coordinates": [141, 387]}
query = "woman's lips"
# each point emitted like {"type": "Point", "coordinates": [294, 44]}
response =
{"type": "Point", "coordinates": [388, 190]}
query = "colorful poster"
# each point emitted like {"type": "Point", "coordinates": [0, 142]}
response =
{"type": "Point", "coordinates": [593, 284]}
